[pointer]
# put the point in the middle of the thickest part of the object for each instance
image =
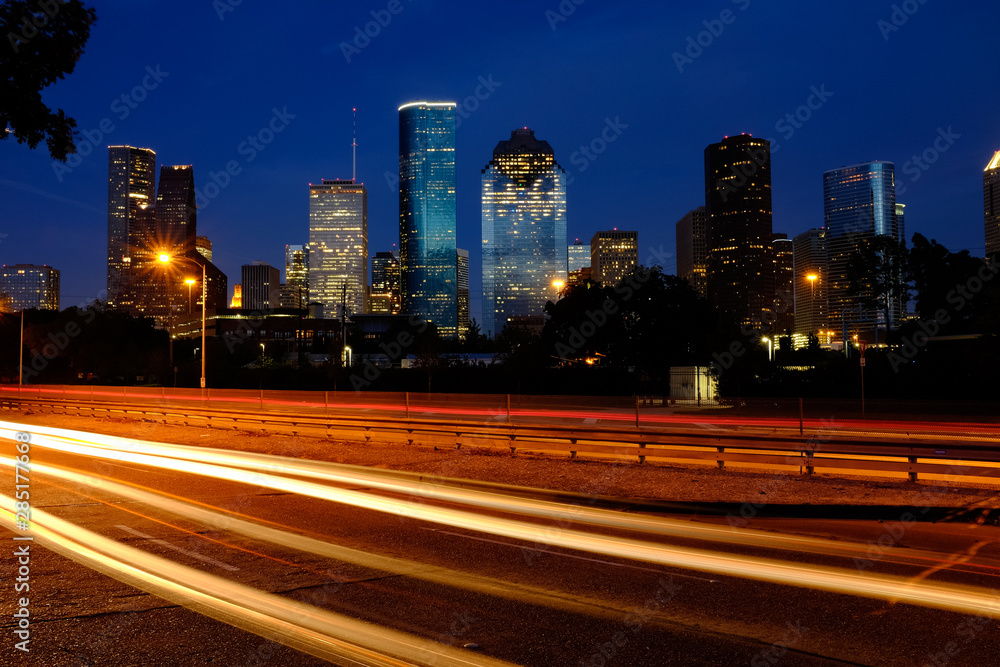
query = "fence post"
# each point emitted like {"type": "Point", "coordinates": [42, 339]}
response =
{"type": "Point", "coordinates": [800, 416]}
{"type": "Point", "coordinates": [508, 408]}
{"type": "Point", "coordinates": [721, 463]}
{"type": "Point", "coordinates": [637, 411]}
{"type": "Point", "coordinates": [407, 405]}
{"type": "Point", "coordinates": [912, 475]}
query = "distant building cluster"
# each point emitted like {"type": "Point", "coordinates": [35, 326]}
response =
{"type": "Point", "coordinates": [801, 287]}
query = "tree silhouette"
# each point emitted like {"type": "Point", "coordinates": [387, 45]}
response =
{"type": "Point", "coordinates": [44, 40]}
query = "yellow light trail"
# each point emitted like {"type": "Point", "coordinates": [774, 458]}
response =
{"type": "Point", "coordinates": [963, 599]}
{"type": "Point", "coordinates": [316, 631]}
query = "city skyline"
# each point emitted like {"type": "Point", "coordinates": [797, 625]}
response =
{"type": "Point", "coordinates": [65, 211]}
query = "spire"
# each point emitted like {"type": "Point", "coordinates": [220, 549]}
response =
{"type": "Point", "coordinates": [354, 160]}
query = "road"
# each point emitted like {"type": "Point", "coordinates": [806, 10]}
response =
{"type": "Point", "coordinates": [163, 555]}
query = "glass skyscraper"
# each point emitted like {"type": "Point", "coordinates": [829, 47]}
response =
{"type": "Point", "coordinates": [427, 224]}
{"type": "Point", "coordinates": [131, 188]}
{"type": "Point", "coordinates": [524, 230]}
{"type": "Point", "coordinates": [991, 204]}
{"type": "Point", "coordinates": [385, 283]}
{"type": "Point", "coordinates": [338, 246]}
{"type": "Point", "coordinates": [859, 202]}
{"type": "Point", "coordinates": [578, 256]}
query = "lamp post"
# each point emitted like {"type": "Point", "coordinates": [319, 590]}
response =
{"type": "Point", "coordinates": [20, 354]}
{"type": "Point", "coordinates": [558, 284]}
{"type": "Point", "coordinates": [167, 259]}
{"type": "Point", "coordinates": [812, 299]}
{"type": "Point", "coordinates": [770, 348]}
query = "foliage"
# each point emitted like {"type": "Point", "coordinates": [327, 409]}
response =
{"type": "Point", "coordinates": [43, 42]}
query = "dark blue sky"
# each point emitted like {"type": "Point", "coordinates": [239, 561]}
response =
{"type": "Point", "coordinates": [890, 94]}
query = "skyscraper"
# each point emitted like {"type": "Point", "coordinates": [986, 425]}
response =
{"type": "Point", "coordinates": [578, 256]}
{"type": "Point", "coordinates": [27, 286]}
{"type": "Point", "coordinates": [613, 255]}
{"type": "Point", "coordinates": [385, 283]}
{"type": "Point", "coordinates": [261, 286]}
{"type": "Point", "coordinates": [738, 203]}
{"type": "Point", "coordinates": [524, 230]}
{"type": "Point", "coordinates": [427, 225]}
{"type": "Point", "coordinates": [204, 247]}
{"type": "Point", "coordinates": [692, 250]}
{"type": "Point", "coordinates": [809, 269]}
{"type": "Point", "coordinates": [296, 276]}
{"type": "Point", "coordinates": [462, 274]}
{"type": "Point", "coordinates": [782, 254]}
{"type": "Point", "coordinates": [859, 204]}
{"type": "Point", "coordinates": [991, 204]}
{"type": "Point", "coordinates": [176, 213]}
{"type": "Point", "coordinates": [338, 246]}
{"type": "Point", "coordinates": [131, 187]}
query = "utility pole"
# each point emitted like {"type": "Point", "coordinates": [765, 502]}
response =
{"type": "Point", "coordinates": [20, 354]}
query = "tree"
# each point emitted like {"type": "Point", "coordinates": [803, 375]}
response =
{"type": "Point", "coordinates": [44, 40]}
{"type": "Point", "coordinates": [879, 274]}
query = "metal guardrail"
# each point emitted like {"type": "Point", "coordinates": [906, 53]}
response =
{"type": "Point", "coordinates": [825, 451]}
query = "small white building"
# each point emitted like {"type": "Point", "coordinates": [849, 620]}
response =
{"type": "Point", "coordinates": [692, 382]}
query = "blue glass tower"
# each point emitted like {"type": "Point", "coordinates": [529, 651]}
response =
{"type": "Point", "coordinates": [859, 202]}
{"type": "Point", "coordinates": [524, 230]}
{"type": "Point", "coordinates": [427, 238]}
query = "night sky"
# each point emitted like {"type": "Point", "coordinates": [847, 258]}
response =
{"type": "Point", "coordinates": [888, 94]}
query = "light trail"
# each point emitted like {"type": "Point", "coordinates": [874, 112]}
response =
{"type": "Point", "coordinates": [353, 475]}
{"type": "Point", "coordinates": [224, 522]}
{"type": "Point", "coordinates": [316, 631]}
{"type": "Point", "coordinates": [945, 596]}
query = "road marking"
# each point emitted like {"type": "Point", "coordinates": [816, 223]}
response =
{"type": "Point", "coordinates": [186, 552]}
{"type": "Point", "coordinates": [559, 553]}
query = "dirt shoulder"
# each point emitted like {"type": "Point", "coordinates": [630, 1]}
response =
{"type": "Point", "coordinates": [649, 481]}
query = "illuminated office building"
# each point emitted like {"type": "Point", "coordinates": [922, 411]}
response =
{"type": "Point", "coordinates": [613, 255]}
{"type": "Point", "coordinates": [782, 257]}
{"type": "Point", "coordinates": [692, 250]}
{"type": "Point", "coordinates": [524, 230]}
{"type": "Point", "coordinates": [204, 247]}
{"type": "Point", "coordinates": [738, 203]}
{"type": "Point", "coordinates": [991, 204]}
{"type": "Point", "coordinates": [577, 256]}
{"type": "Point", "coordinates": [385, 283]}
{"type": "Point", "coordinates": [809, 275]}
{"type": "Point", "coordinates": [131, 188]}
{"type": "Point", "coordinates": [859, 204]}
{"type": "Point", "coordinates": [462, 274]}
{"type": "Point", "coordinates": [338, 246]}
{"type": "Point", "coordinates": [261, 286]}
{"type": "Point", "coordinates": [27, 286]}
{"type": "Point", "coordinates": [296, 286]}
{"type": "Point", "coordinates": [427, 224]}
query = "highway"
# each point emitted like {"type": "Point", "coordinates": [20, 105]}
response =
{"type": "Point", "coordinates": [165, 554]}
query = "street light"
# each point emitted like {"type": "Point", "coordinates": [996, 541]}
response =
{"type": "Point", "coordinates": [558, 284]}
{"type": "Point", "coordinates": [770, 348]}
{"type": "Point", "coordinates": [167, 259]}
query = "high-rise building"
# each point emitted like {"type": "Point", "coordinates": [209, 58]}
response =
{"type": "Point", "coordinates": [991, 204]}
{"type": "Point", "coordinates": [782, 254]}
{"type": "Point", "coordinates": [809, 270]}
{"type": "Point", "coordinates": [237, 301]}
{"type": "Point", "coordinates": [462, 274]}
{"type": "Point", "coordinates": [692, 250]}
{"type": "Point", "coordinates": [261, 286]}
{"type": "Point", "coordinates": [613, 255]}
{"type": "Point", "coordinates": [169, 227]}
{"type": "Point", "coordinates": [204, 247]}
{"type": "Point", "coordinates": [427, 223]}
{"type": "Point", "coordinates": [901, 221]}
{"type": "Point", "coordinates": [578, 256]}
{"type": "Point", "coordinates": [385, 299]}
{"type": "Point", "coordinates": [524, 230]}
{"type": "Point", "coordinates": [296, 284]}
{"type": "Point", "coordinates": [131, 187]}
{"type": "Point", "coordinates": [338, 246]}
{"type": "Point", "coordinates": [27, 286]}
{"type": "Point", "coordinates": [859, 204]}
{"type": "Point", "coordinates": [176, 213]}
{"type": "Point", "coordinates": [738, 203]}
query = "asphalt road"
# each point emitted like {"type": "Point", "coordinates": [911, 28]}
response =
{"type": "Point", "coordinates": [522, 601]}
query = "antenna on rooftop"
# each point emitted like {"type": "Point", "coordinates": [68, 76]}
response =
{"type": "Point", "coordinates": [354, 166]}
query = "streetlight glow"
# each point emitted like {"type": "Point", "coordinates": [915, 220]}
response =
{"type": "Point", "coordinates": [167, 259]}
